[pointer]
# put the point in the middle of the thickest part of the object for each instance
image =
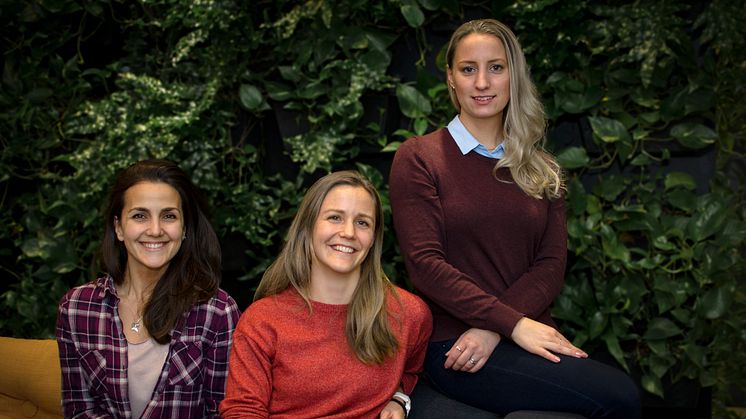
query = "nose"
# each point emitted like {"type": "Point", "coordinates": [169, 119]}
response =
{"type": "Point", "coordinates": [348, 229]}
{"type": "Point", "coordinates": [155, 227]}
{"type": "Point", "coordinates": [482, 81]}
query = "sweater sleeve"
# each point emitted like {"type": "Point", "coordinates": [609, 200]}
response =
{"type": "Point", "coordinates": [249, 387]}
{"type": "Point", "coordinates": [418, 221]}
{"type": "Point", "coordinates": [421, 325]}
{"type": "Point", "coordinates": [536, 289]}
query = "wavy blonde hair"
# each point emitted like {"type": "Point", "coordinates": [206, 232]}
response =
{"type": "Point", "coordinates": [367, 327]}
{"type": "Point", "coordinates": [533, 169]}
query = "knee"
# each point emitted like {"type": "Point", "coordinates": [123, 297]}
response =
{"type": "Point", "coordinates": [624, 400]}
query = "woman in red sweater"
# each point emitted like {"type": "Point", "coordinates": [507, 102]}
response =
{"type": "Point", "coordinates": [328, 335]}
{"type": "Point", "coordinates": [479, 213]}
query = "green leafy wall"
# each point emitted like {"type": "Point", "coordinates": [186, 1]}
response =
{"type": "Point", "coordinates": [256, 99]}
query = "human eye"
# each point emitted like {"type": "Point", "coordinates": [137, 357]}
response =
{"type": "Point", "coordinates": [363, 223]}
{"type": "Point", "coordinates": [496, 68]}
{"type": "Point", "coordinates": [334, 218]}
{"type": "Point", "coordinates": [170, 216]}
{"type": "Point", "coordinates": [138, 216]}
{"type": "Point", "coordinates": [468, 69]}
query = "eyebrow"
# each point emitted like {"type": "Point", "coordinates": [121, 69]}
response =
{"type": "Point", "coordinates": [490, 61]}
{"type": "Point", "coordinates": [360, 214]}
{"type": "Point", "coordinates": [143, 209]}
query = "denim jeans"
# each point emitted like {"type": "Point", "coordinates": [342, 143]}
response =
{"type": "Point", "coordinates": [514, 379]}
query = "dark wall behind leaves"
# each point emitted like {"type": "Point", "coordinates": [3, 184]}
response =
{"type": "Point", "coordinates": [257, 99]}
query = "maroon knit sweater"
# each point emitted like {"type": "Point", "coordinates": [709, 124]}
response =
{"type": "Point", "coordinates": [482, 252]}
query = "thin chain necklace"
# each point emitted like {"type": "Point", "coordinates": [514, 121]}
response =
{"type": "Point", "coordinates": [135, 325]}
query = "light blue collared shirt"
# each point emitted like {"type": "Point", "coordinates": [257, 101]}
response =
{"type": "Point", "coordinates": [466, 142]}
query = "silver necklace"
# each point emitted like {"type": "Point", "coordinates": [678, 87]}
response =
{"type": "Point", "coordinates": [135, 326]}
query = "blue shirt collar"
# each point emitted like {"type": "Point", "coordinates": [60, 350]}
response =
{"type": "Point", "coordinates": [466, 142]}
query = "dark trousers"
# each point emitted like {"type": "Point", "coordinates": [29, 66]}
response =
{"type": "Point", "coordinates": [513, 379]}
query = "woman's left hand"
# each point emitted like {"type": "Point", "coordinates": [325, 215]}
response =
{"type": "Point", "coordinates": [393, 410]}
{"type": "Point", "coordinates": [471, 350]}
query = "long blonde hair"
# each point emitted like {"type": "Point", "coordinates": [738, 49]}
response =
{"type": "Point", "coordinates": [533, 169]}
{"type": "Point", "coordinates": [367, 328]}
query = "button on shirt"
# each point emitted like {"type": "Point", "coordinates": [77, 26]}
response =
{"type": "Point", "coordinates": [466, 142]}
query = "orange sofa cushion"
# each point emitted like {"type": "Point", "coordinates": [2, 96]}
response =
{"type": "Point", "coordinates": [30, 379]}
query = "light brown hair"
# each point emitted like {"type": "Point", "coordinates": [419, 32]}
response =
{"type": "Point", "coordinates": [367, 328]}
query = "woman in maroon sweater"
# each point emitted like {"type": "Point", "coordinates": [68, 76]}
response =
{"type": "Point", "coordinates": [479, 213]}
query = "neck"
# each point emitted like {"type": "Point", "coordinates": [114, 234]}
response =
{"type": "Point", "coordinates": [330, 289]}
{"type": "Point", "coordinates": [488, 131]}
{"type": "Point", "coordinates": [137, 286]}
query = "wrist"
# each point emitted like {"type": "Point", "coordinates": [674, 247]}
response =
{"type": "Point", "coordinates": [402, 400]}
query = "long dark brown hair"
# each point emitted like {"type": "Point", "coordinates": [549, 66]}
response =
{"type": "Point", "coordinates": [193, 275]}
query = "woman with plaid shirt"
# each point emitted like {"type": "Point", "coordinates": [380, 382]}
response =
{"type": "Point", "coordinates": [151, 338]}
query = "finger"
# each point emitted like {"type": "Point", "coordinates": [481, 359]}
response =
{"type": "Point", "coordinates": [453, 354]}
{"type": "Point", "coordinates": [461, 362]}
{"type": "Point", "coordinates": [469, 364]}
{"type": "Point", "coordinates": [542, 352]}
{"type": "Point", "coordinates": [478, 366]}
{"type": "Point", "coordinates": [570, 350]}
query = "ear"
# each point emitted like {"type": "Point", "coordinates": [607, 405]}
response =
{"type": "Point", "coordinates": [118, 229]}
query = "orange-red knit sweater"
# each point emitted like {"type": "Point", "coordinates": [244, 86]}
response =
{"type": "Point", "coordinates": [287, 362]}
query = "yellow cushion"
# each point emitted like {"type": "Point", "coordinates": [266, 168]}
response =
{"type": "Point", "coordinates": [30, 382]}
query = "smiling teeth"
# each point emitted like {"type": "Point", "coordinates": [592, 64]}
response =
{"type": "Point", "coordinates": [344, 249]}
{"type": "Point", "coordinates": [153, 245]}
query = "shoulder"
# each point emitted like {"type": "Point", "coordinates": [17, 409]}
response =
{"type": "Point", "coordinates": [273, 305]}
{"type": "Point", "coordinates": [222, 303]}
{"type": "Point", "coordinates": [219, 312]}
{"type": "Point", "coordinates": [409, 304]}
{"type": "Point", "coordinates": [424, 144]}
{"type": "Point", "coordinates": [91, 293]}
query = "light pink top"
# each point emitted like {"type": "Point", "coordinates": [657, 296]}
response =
{"type": "Point", "coordinates": [144, 365]}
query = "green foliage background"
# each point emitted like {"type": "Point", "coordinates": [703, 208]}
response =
{"type": "Point", "coordinates": [258, 98]}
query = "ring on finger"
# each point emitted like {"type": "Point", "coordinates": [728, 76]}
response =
{"type": "Point", "coordinates": [458, 348]}
{"type": "Point", "coordinates": [472, 361]}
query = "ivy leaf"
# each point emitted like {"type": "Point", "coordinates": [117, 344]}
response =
{"type": "Point", "coordinates": [708, 220]}
{"type": "Point", "coordinates": [414, 16]}
{"type": "Point", "coordinates": [610, 187]}
{"type": "Point", "coordinates": [612, 344]}
{"type": "Point", "coordinates": [715, 303]}
{"type": "Point", "coordinates": [694, 135]}
{"type": "Point", "coordinates": [391, 147]}
{"type": "Point", "coordinates": [420, 126]}
{"type": "Point", "coordinates": [661, 328]}
{"type": "Point", "coordinates": [683, 199]}
{"type": "Point", "coordinates": [290, 73]}
{"type": "Point", "coordinates": [609, 130]}
{"type": "Point", "coordinates": [251, 97]}
{"type": "Point", "coordinates": [652, 384]}
{"type": "Point", "coordinates": [597, 324]}
{"type": "Point", "coordinates": [412, 103]}
{"type": "Point", "coordinates": [675, 179]}
{"type": "Point", "coordinates": [573, 157]}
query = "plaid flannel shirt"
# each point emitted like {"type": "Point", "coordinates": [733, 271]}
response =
{"type": "Point", "coordinates": [93, 356]}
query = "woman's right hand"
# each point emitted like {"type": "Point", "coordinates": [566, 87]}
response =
{"type": "Point", "coordinates": [472, 350]}
{"type": "Point", "coordinates": [543, 340]}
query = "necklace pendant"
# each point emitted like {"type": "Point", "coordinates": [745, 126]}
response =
{"type": "Point", "coordinates": [135, 327]}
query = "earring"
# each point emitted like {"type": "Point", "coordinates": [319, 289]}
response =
{"type": "Point", "coordinates": [453, 87]}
